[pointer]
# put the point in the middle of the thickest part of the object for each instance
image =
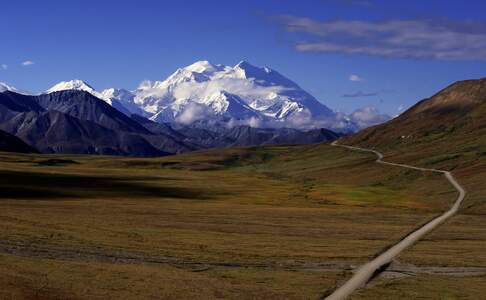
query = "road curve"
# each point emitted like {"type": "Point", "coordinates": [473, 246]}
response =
{"type": "Point", "coordinates": [361, 277]}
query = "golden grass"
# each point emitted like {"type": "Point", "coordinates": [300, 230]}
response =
{"type": "Point", "coordinates": [426, 287]}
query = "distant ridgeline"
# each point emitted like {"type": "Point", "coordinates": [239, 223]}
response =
{"type": "Point", "coordinates": [199, 106]}
{"type": "Point", "coordinates": [77, 122]}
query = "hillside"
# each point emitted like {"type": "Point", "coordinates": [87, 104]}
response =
{"type": "Point", "coordinates": [446, 131]}
{"type": "Point", "coordinates": [76, 122]}
{"type": "Point", "coordinates": [10, 143]}
{"type": "Point", "coordinates": [456, 115]}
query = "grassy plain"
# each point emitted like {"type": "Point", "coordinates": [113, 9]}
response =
{"type": "Point", "coordinates": [283, 222]}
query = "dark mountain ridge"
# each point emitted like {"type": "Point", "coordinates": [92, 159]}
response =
{"type": "Point", "coordinates": [84, 106]}
{"type": "Point", "coordinates": [11, 143]}
{"type": "Point", "coordinates": [77, 122]}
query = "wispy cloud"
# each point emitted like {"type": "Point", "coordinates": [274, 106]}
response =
{"type": "Point", "coordinates": [354, 77]}
{"type": "Point", "coordinates": [27, 63]}
{"type": "Point", "coordinates": [360, 94]}
{"type": "Point", "coordinates": [3, 67]}
{"type": "Point", "coordinates": [415, 38]}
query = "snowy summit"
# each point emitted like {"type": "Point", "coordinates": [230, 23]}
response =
{"type": "Point", "coordinates": [241, 94]}
{"type": "Point", "coordinates": [4, 87]}
{"type": "Point", "coordinates": [75, 84]}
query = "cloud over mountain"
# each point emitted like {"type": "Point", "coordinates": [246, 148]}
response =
{"type": "Point", "coordinates": [368, 116]}
{"type": "Point", "coordinates": [234, 95]}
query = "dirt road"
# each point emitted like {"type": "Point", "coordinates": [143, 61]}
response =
{"type": "Point", "coordinates": [366, 272]}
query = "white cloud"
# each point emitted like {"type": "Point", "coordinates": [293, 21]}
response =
{"type": "Point", "coordinates": [442, 39]}
{"type": "Point", "coordinates": [368, 116]}
{"type": "Point", "coordinates": [354, 77]}
{"type": "Point", "coordinates": [236, 86]}
{"type": "Point", "coordinates": [3, 67]}
{"type": "Point", "coordinates": [194, 112]}
{"type": "Point", "coordinates": [27, 63]}
{"type": "Point", "coordinates": [401, 107]}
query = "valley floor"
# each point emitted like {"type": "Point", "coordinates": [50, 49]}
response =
{"type": "Point", "coordinates": [283, 222]}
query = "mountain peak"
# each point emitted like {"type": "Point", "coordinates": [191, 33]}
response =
{"type": "Point", "coordinates": [75, 84]}
{"type": "Point", "coordinates": [6, 87]}
{"type": "Point", "coordinates": [202, 66]}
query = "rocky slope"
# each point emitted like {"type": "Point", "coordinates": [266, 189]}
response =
{"type": "Point", "coordinates": [11, 143]}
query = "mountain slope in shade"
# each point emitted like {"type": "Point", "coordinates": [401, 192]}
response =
{"type": "Point", "coordinates": [85, 106]}
{"type": "Point", "coordinates": [199, 136]}
{"type": "Point", "coordinates": [14, 102]}
{"type": "Point", "coordinates": [77, 122]}
{"type": "Point", "coordinates": [11, 143]}
{"type": "Point", "coordinates": [249, 136]}
{"type": "Point", "coordinates": [56, 132]}
{"type": "Point", "coordinates": [114, 97]}
{"type": "Point", "coordinates": [246, 135]}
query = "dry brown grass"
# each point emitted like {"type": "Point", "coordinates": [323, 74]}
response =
{"type": "Point", "coordinates": [257, 223]}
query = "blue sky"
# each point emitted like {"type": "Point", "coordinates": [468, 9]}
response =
{"type": "Point", "coordinates": [347, 53]}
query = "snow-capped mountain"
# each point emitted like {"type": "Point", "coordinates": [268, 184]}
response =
{"type": "Point", "coordinates": [75, 84]}
{"type": "Point", "coordinates": [240, 92]}
{"type": "Point", "coordinates": [118, 98]}
{"type": "Point", "coordinates": [122, 100]}
{"type": "Point", "coordinates": [4, 87]}
{"type": "Point", "coordinates": [237, 95]}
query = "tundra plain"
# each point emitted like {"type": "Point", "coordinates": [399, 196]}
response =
{"type": "Point", "coordinates": [250, 223]}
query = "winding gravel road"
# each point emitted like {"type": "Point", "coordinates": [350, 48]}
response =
{"type": "Point", "coordinates": [362, 276]}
